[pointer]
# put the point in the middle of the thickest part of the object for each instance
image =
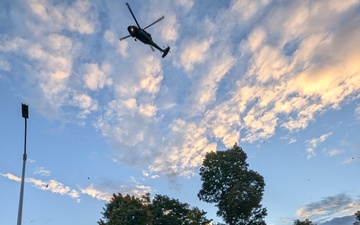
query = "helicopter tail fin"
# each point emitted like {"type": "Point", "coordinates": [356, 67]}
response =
{"type": "Point", "coordinates": [166, 51]}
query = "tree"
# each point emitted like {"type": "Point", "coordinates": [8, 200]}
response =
{"type": "Point", "coordinates": [236, 190]}
{"type": "Point", "coordinates": [171, 211]}
{"type": "Point", "coordinates": [161, 211]}
{"type": "Point", "coordinates": [357, 217]}
{"type": "Point", "coordinates": [305, 222]}
{"type": "Point", "coordinates": [125, 210]}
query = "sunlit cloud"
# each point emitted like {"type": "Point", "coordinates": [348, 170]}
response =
{"type": "Point", "coordinates": [149, 175]}
{"type": "Point", "coordinates": [243, 78]}
{"type": "Point", "coordinates": [246, 10]}
{"type": "Point", "coordinates": [94, 193]}
{"type": "Point", "coordinates": [11, 177]}
{"type": "Point", "coordinates": [79, 17]}
{"type": "Point", "coordinates": [53, 186]}
{"type": "Point", "coordinates": [195, 52]}
{"type": "Point", "coordinates": [95, 76]}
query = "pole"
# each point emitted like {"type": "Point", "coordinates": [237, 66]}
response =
{"type": "Point", "coordinates": [25, 115]}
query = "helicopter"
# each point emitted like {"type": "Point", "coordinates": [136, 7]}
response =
{"type": "Point", "coordinates": [140, 34]}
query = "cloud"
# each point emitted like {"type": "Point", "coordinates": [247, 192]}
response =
{"type": "Point", "coordinates": [149, 175]}
{"type": "Point", "coordinates": [357, 112]}
{"type": "Point", "coordinates": [95, 77]}
{"type": "Point", "coordinates": [4, 64]}
{"type": "Point", "coordinates": [313, 143]}
{"type": "Point", "coordinates": [271, 84]}
{"type": "Point", "coordinates": [186, 3]}
{"type": "Point", "coordinates": [194, 52]}
{"type": "Point", "coordinates": [333, 152]}
{"type": "Point", "coordinates": [246, 10]}
{"type": "Point", "coordinates": [54, 186]}
{"type": "Point", "coordinates": [256, 69]}
{"type": "Point", "coordinates": [134, 187]}
{"type": "Point", "coordinates": [106, 188]}
{"type": "Point", "coordinates": [349, 160]}
{"type": "Point", "coordinates": [85, 103]}
{"type": "Point", "coordinates": [329, 207]}
{"type": "Point", "coordinates": [341, 220]}
{"type": "Point", "coordinates": [11, 177]}
{"type": "Point", "coordinates": [79, 16]}
{"type": "Point", "coordinates": [42, 171]}
{"type": "Point", "coordinates": [92, 192]}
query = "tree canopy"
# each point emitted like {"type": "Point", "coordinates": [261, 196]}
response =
{"type": "Point", "coordinates": [235, 189]}
{"type": "Point", "coordinates": [126, 210]}
{"type": "Point", "coordinates": [357, 218]}
{"type": "Point", "coordinates": [305, 222]}
{"type": "Point", "coordinates": [162, 210]}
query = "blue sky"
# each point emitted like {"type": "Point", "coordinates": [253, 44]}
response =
{"type": "Point", "coordinates": [281, 78]}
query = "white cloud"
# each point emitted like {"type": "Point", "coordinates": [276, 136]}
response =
{"type": "Point", "coordinates": [149, 175]}
{"type": "Point", "coordinates": [86, 103]}
{"type": "Point", "coordinates": [194, 52]}
{"type": "Point", "coordinates": [357, 112]}
{"type": "Point", "coordinates": [334, 152]}
{"type": "Point", "coordinates": [51, 185]}
{"type": "Point", "coordinates": [4, 64]}
{"type": "Point", "coordinates": [349, 160]}
{"type": "Point", "coordinates": [245, 10]}
{"type": "Point", "coordinates": [79, 16]}
{"type": "Point", "coordinates": [151, 74]}
{"type": "Point", "coordinates": [42, 171]}
{"type": "Point", "coordinates": [11, 177]}
{"type": "Point", "coordinates": [169, 31]}
{"type": "Point", "coordinates": [329, 207]}
{"type": "Point", "coordinates": [251, 71]}
{"type": "Point", "coordinates": [147, 110]}
{"type": "Point", "coordinates": [313, 143]}
{"type": "Point", "coordinates": [96, 76]}
{"type": "Point", "coordinates": [92, 192]}
{"type": "Point", "coordinates": [187, 3]}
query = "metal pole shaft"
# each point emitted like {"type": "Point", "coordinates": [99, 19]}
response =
{"type": "Point", "coordinates": [22, 180]}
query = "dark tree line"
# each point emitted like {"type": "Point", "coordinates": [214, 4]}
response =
{"type": "Point", "coordinates": [305, 222]}
{"type": "Point", "coordinates": [162, 210]}
{"type": "Point", "coordinates": [357, 218]}
{"type": "Point", "coordinates": [227, 182]}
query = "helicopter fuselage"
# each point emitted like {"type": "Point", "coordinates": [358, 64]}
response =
{"type": "Point", "coordinates": [141, 35]}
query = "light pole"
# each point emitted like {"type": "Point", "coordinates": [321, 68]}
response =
{"type": "Point", "coordinates": [25, 115]}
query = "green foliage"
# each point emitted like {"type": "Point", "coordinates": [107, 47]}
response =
{"type": "Point", "coordinates": [172, 211]}
{"type": "Point", "coordinates": [357, 217]}
{"type": "Point", "coordinates": [305, 222]}
{"type": "Point", "coordinates": [124, 210]}
{"type": "Point", "coordinates": [236, 190]}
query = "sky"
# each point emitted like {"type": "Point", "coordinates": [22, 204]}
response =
{"type": "Point", "coordinates": [279, 77]}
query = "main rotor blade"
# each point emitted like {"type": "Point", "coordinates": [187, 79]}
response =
{"type": "Point", "coordinates": [124, 37]}
{"type": "Point", "coordinates": [161, 18]}
{"type": "Point", "coordinates": [132, 14]}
